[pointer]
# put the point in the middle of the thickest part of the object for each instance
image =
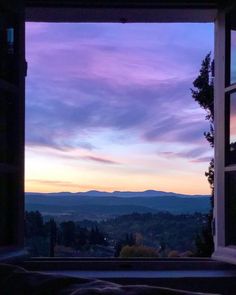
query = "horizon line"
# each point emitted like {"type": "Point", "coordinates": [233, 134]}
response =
{"type": "Point", "coordinates": [115, 191]}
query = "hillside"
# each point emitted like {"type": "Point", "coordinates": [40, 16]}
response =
{"type": "Point", "coordinates": [95, 205]}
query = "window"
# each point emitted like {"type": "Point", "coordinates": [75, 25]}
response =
{"type": "Point", "coordinates": [225, 89]}
{"type": "Point", "coordinates": [224, 84]}
{"type": "Point", "coordinates": [230, 188]}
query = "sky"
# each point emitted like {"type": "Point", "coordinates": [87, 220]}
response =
{"type": "Point", "coordinates": [109, 107]}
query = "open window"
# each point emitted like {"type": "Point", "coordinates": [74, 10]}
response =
{"type": "Point", "coordinates": [12, 73]}
{"type": "Point", "coordinates": [225, 139]}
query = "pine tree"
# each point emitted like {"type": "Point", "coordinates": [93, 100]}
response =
{"type": "Point", "coordinates": [53, 237]}
{"type": "Point", "coordinates": [204, 95]}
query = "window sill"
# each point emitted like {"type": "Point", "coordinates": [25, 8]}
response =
{"type": "Point", "coordinates": [12, 255]}
{"type": "Point", "coordinates": [193, 274]}
{"type": "Point", "coordinates": [128, 264]}
{"type": "Point", "coordinates": [146, 274]}
{"type": "Point", "coordinates": [217, 281]}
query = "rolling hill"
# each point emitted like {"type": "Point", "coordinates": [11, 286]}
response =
{"type": "Point", "coordinates": [96, 205]}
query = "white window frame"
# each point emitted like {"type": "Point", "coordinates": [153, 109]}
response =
{"type": "Point", "coordinates": [223, 252]}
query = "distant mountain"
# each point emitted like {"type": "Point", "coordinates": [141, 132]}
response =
{"type": "Point", "coordinates": [123, 194]}
{"type": "Point", "coordinates": [101, 205]}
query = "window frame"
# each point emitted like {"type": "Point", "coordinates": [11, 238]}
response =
{"type": "Point", "coordinates": [223, 89]}
{"type": "Point", "coordinates": [157, 13]}
{"type": "Point", "coordinates": [14, 172]}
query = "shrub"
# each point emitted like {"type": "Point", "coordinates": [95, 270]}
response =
{"type": "Point", "coordinates": [173, 254]}
{"type": "Point", "coordinates": [138, 251]}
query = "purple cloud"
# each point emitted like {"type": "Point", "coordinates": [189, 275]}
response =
{"type": "Point", "coordinates": [195, 155]}
{"type": "Point", "coordinates": [100, 160]}
{"type": "Point", "coordinates": [118, 109]}
{"type": "Point", "coordinates": [202, 160]}
{"type": "Point", "coordinates": [176, 129]}
{"type": "Point", "coordinates": [96, 77]}
{"type": "Point", "coordinates": [192, 153]}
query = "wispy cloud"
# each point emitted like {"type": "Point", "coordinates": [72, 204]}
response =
{"type": "Point", "coordinates": [195, 155]}
{"type": "Point", "coordinates": [202, 160]}
{"type": "Point", "coordinates": [55, 185]}
{"type": "Point", "coordinates": [100, 160]}
{"type": "Point", "coordinates": [50, 182]}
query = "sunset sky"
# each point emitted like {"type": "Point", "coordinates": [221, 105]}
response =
{"type": "Point", "coordinates": [109, 107]}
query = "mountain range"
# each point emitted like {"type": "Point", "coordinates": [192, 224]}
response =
{"type": "Point", "coordinates": [97, 205]}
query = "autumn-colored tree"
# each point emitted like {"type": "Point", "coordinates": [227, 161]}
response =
{"type": "Point", "coordinates": [138, 251]}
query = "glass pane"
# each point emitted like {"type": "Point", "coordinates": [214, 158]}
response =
{"type": "Point", "coordinates": [7, 50]}
{"type": "Point", "coordinates": [233, 57]}
{"type": "Point", "coordinates": [8, 129]}
{"type": "Point", "coordinates": [231, 208]}
{"type": "Point", "coordinates": [231, 153]}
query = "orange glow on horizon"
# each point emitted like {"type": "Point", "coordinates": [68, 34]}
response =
{"type": "Point", "coordinates": [193, 186]}
{"type": "Point", "coordinates": [46, 172]}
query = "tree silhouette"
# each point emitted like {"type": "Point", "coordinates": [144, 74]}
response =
{"type": "Point", "coordinates": [82, 237]}
{"type": "Point", "coordinates": [53, 237]}
{"type": "Point", "coordinates": [203, 94]}
{"type": "Point", "coordinates": [96, 237]}
{"type": "Point", "coordinates": [36, 235]}
{"type": "Point", "coordinates": [34, 225]}
{"type": "Point", "coordinates": [68, 233]}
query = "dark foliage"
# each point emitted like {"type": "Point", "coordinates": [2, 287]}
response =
{"type": "Point", "coordinates": [34, 225]}
{"type": "Point", "coordinates": [129, 240]}
{"type": "Point", "coordinates": [162, 231]}
{"type": "Point", "coordinates": [36, 234]}
{"type": "Point", "coordinates": [41, 238]}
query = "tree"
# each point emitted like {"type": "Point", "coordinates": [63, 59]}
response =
{"type": "Point", "coordinates": [68, 233]}
{"type": "Point", "coordinates": [138, 251]}
{"type": "Point", "coordinates": [34, 225]}
{"type": "Point", "coordinates": [36, 240]}
{"type": "Point", "coordinates": [53, 237]}
{"type": "Point", "coordinates": [204, 95]}
{"type": "Point", "coordinates": [82, 238]}
{"type": "Point", "coordinates": [129, 240]}
{"type": "Point", "coordinates": [96, 237]}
